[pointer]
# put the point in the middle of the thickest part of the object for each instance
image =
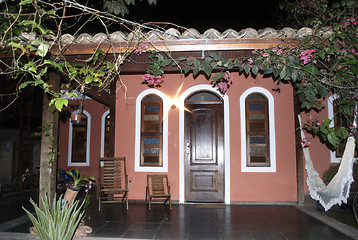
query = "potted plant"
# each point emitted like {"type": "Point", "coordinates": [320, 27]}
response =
{"type": "Point", "coordinates": [75, 183]}
{"type": "Point", "coordinates": [76, 115]}
{"type": "Point", "coordinates": [58, 220]}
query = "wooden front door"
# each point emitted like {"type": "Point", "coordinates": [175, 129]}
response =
{"type": "Point", "coordinates": [204, 150]}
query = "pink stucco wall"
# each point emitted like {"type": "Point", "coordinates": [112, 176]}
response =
{"type": "Point", "coordinates": [244, 186]}
{"type": "Point", "coordinates": [96, 110]}
{"type": "Point", "coordinates": [277, 186]}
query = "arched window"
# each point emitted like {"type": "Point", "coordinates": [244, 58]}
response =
{"type": "Point", "coordinates": [258, 152]}
{"type": "Point", "coordinates": [257, 131]}
{"type": "Point", "coordinates": [105, 134]}
{"type": "Point", "coordinates": [151, 153]}
{"type": "Point", "coordinates": [79, 141]}
{"type": "Point", "coordinates": [151, 131]}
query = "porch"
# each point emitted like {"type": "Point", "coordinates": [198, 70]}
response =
{"type": "Point", "coordinates": [194, 221]}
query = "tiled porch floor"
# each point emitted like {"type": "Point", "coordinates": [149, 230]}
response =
{"type": "Point", "coordinates": [189, 222]}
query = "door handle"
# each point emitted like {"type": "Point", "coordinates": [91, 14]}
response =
{"type": "Point", "coordinates": [187, 149]}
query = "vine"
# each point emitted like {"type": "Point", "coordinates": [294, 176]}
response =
{"type": "Point", "coordinates": [316, 66]}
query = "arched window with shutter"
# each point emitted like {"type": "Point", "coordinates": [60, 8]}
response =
{"type": "Point", "coordinates": [258, 149]}
{"type": "Point", "coordinates": [151, 142]}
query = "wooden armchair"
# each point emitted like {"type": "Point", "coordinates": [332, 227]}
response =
{"type": "Point", "coordinates": [158, 190]}
{"type": "Point", "coordinates": [113, 181]}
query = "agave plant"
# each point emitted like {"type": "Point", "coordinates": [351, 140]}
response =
{"type": "Point", "coordinates": [57, 222]}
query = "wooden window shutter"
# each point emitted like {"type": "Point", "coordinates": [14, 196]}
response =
{"type": "Point", "coordinates": [257, 131]}
{"type": "Point", "coordinates": [151, 131]}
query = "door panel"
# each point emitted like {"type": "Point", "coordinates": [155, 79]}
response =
{"type": "Point", "coordinates": [204, 157]}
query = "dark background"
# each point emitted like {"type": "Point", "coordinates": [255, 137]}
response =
{"type": "Point", "coordinates": [205, 14]}
{"type": "Point", "coordinates": [198, 14]}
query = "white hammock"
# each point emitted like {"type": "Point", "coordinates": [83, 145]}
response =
{"type": "Point", "coordinates": [337, 191]}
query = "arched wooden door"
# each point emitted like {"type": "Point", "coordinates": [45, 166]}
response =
{"type": "Point", "coordinates": [204, 148]}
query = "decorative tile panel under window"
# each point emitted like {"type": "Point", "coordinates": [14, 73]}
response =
{"type": "Point", "coordinates": [257, 131]}
{"type": "Point", "coordinates": [151, 131]}
{"type": "Point", "coordinates": [79, 141]}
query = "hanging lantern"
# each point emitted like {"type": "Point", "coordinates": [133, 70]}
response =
{"type": "Point", "coordinates": [76, 118]}
{"type": "Point", "coordinates": [77, 115]}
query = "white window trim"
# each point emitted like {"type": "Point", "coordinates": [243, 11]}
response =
{"type": "Point", "coordinates": [184, 95]}
{"type": "Point", "coordinates": [271, 113]}
{"type": "Point", "coordinates": [166, 107]}
{"type": "Point", "coordinates": [87, 163]}
{"type": "Point", "coordinates": [103, 131]}
{"type": "Point", "coordinates": [330, 100]}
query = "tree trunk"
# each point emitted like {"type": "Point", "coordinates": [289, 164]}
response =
{"type": "Point", "coordinates": [49, 144]}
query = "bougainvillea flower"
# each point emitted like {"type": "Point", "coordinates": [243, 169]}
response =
{"type": "Point", "coordinates": [228, 77]}
{"type": "Point", "coordinates": [279, 52]}
{"type": "Point", "coordinates": [152, 80]}
{"type": "Point", "coordinates": [306, 56]}
{"type": "Point", "coordinates": [222, 87]}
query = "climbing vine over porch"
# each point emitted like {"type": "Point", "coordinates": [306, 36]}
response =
{"type": "Point", "coordinates": [317, 66]}
{"type": "Point", "coordinates": [320, 64]}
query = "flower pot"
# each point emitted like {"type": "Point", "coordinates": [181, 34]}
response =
{"type": "Point", "coordinates": [75, 118]}
{"type": "Point", "coordinates": [71, 194]}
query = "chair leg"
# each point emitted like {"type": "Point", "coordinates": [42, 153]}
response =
{"type": "Point", "coordinates": [99, 203]}
{"type": "Point", "coordinates": [170, 203]}
{"type": "Point", "coordinates": [127, 200]}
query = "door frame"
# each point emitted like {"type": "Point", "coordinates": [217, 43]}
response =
{"type": "Point", "coordinates": [225, 98]}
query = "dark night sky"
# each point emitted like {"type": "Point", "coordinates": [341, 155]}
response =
{"type": "Point", "coordinates": [198, 14]}
{"type": "Point", "coordinates": [205, 14]}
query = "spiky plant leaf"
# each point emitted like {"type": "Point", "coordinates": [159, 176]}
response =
{"type": "Point", "coordinates": [56, 221]}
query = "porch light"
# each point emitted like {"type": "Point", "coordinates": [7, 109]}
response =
{"type": "Point", "coordinates": [174, 103]}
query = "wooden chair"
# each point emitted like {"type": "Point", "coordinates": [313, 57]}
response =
{"type": "Point", "coordinates": [158, 190]}
{"type": "Point", "coordinates": [113, 181]}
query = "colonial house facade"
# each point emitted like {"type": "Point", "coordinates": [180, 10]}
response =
{"type": "Point", "coordinates": [238, 147]}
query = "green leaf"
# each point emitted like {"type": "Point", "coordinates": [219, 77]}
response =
{"type": "Point", "coordinates": [181, 59]}
{"type": "Point", "coordinates": [186, 69]}
{"type": "Point", "coordinates": [332, 139]}
{"type": "Point", "coordinates": [25, 2]}
{"type": "Point", "coordinates": [283, 74]}
{"type": "Point", "coordinates": [42, 49]}
{"type": "Point", "coordinates": [89, 79]}
{"type": "Point", "coordinates": [254, 69]}
{"type": "Point", "coordinates": [246, 69]}
{"type": "Point", "coordinates": [294, 75]}
{"type": "Point", "coordinates": [321, 90]}
{"type": "Point", "coordinates": [24, 84]}
{"type": "Point", "coordinates": [59, 103]}
{"type": "Point", "coordinates": [267, 71]}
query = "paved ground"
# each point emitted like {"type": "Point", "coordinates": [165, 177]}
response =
{"type": "Point", "coordinates": [188, 222]}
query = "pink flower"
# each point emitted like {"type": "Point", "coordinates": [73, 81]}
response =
{"type": "Point", "coordinates": [141, 48]}
{"type": "Point", "coordinates": [265, 54]}
{"type": "Point", "coordinates": [152, 80]}
{"type": "Point", "coordinates": [228, 77]}
{"type": "Point", "coordinates": [306, 56]}
{"type": "Point", "coordinates": [279, 52]}
{"type": "Point", "coordinates": [350, 20]}
{"type": "Point", "coordinates": [250, 62]}
{"type": "Point", "coordinates": [222, 87]}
